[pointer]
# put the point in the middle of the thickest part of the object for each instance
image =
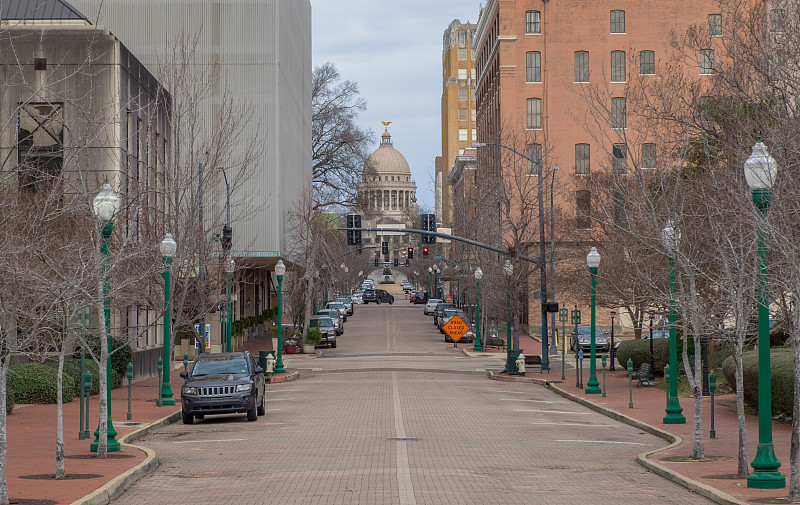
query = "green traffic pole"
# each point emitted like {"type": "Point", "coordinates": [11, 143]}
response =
{"type": "Point", "coordinates": [666, 379]}
{"type": "Point", "coordinates": [712, 386]}
{"type": "Point", "coordinates": [577, 350]}
{"type": "Point", "coordinates": [630, 383]}
{"type": "Point", "coordinates": [508, 329]}
{"type": "Point", "coordinates": [673, 410]}
{"type": "Point", "coordinates": [129, 376]}
{"type": "Point", "coordinates": [279, 368]}
{"type": "Point", "coordinates": [166, 398]}
{"type": "Point", "coordinates": [160, 368]}
{"type": "Point", "coordinates": [592, 386]}
{"type": "Point", "coordinates": [604, 375]}
{"type": "Point", "coordinates": [765, 465]}
{"type": "Point", "coordinates": [563, 348]}
{"type": "Point", "coordinates": [477, 346]}
{"type": "Point", "coordinates": [185, 362]}
{"type": "Point", "coordinates": [229, 322]}
{"type": "Point", "coordinates": [84, 396]}
{"type": "Point", "coordinates": [87, 387]}
{"type": "Point", "coordinates": [111, 433]}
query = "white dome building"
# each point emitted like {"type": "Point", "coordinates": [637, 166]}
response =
{"type": "Point", "coordinates": [387, 196]}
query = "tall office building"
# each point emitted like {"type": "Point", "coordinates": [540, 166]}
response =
{"type": "Point", "coordinates": [458, 109]}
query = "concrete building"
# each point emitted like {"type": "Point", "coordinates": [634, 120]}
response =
{"type": "Point", "coordinates": [458, 109]}
{"type": "Point", "coordinates": [77, 102]}
{"type": "Point", "coordinates": [388, 198]}
{"type": "Point", "coordinates": [262, 50]}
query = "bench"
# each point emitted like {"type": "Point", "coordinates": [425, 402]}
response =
{"type": "Point", "coordinates": [495, 343]}
{"type": "Point", "coordinates": [534, 360]}
{"type": "Point", "coordinates": [642, 375]}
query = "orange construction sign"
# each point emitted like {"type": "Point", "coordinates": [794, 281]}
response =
{"type": "Point", "coordinates": [455, 328]}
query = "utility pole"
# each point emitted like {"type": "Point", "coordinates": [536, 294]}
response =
{"type": "Point", "coordinates": [202, 269]}
{"type": "Point", "coordinates": [543, 271]}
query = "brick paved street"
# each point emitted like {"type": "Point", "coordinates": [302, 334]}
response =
{"type": "Point", "coordinates": [395, 415]}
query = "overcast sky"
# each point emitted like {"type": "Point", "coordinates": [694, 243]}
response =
{"type": "Point", "coordinates": [393, 50]}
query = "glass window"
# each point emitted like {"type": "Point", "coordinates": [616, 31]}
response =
{"type": "Point", "coordinates": [462, 114]}
{"type": "Point", "coordinates": [474, 134]}
{"type": "Point", "coordinates": [583, 208]}
{"type": "Point", "coordinates": [462, 134]}
{"type": "Point", "coordinates": [474, 115]}
{"type": "Point", "coordinates": [581, 66]}
{"type": "Point", "coordinates": [617, 66]}
{"type": "Point", "coordinates": [462, 94]}
{"type": "Point", "coordinates": [648, 155]}
{"type": "Point", "coordinates": [618, 113]}
{"type": "Point", "coordinates": [462, 53]}
{"type": "Point", "coordinates": [617, 21]}
{"type": "Point", "coordinates": [533, 65]}
{"type": "Point", "coordinates": [581, 159]}
{"type": "Point", "coordinates": [462, 38]}
{"type": "Point", "coordinates": [777, 19]}
{"type": "Point", "coordinates": [778, 65]}
{"type": "Point", "coordinates": [462, 73]}
{"type": "Point", "coordinates": [619, 153]}
{"type": "Point", "coordinates": [534, 153]}
{"type": "Point", "coordinates": [706, 62]}
{"type": "Point", "coordinates": [40, 144]}
{"type": "Point", "coordinates": [715, 25]}
{"type": "Point", "coordinates": [647, 63]}
{"type": "Point", "coordinates": [534, 114]}
{"type": "Point", "coordinates": [533, 22]}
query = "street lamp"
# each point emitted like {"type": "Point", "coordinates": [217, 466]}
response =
{"type": "Point", "coordinates": [168, 248]}
{"type": "Point", "coordinates": [511, 364]}
{"type": "Point", "coordinates": [230, 267]}
{"type": "Point", "coordinates": [430, 274]}
{"type": "Point", "coordinates": [593, 386]}
{"type": "Point", "coordinates": [612, 352]}
{"type": "Point", "coordinates": [759, 171]}
{"type": "Point", "coordinates": [280, 269]}
{"type": "Point", "coordinates": [106, 205]}
{"type": "Point", "coordinates": [670, 236]}
{"type": "Point", "coordinates": [436, 281]}
{"type": "Point", "coordinates": [478, 277]}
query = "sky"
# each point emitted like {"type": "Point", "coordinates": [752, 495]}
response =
{"type": "Point", "coordinates": [393, 50]}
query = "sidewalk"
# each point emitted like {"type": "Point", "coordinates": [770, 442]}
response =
{"type": "Point", "coordinates": [713, 476]}
{"type": "Point", "coordinates": [31, 438]}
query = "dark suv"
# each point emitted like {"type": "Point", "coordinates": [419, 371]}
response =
{"type": "Point", "coordinates": [377, 296]}
{"type": "Point", "coordinates": [224, 383]}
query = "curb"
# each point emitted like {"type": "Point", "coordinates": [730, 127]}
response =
{"type": "Point", "coordinates": [116, 486]}
{"type": "Point", "coordinates": [701, 489]}
{"type": "Point", "coordinates": [290, 376]}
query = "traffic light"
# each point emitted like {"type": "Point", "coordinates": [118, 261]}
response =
{"type": "Point", "coordinates": [407, 263]}
{"type": "Point", "coordinates": [396, 262]}
{"type": "Point", "coordinates": [354, 236]}
{"type": "Point", "coordinates": [385, 247]}
{"type": "Point", "coordinates": [410, 253]}
{"type": "Point", "coordinates": [227, 238]}
{"type": "Point", "coordinates": [424, 251]}
{"type": "Point", "coordinates": [429, 224]}
{"type": "Point", "coordinates": [376, 261]}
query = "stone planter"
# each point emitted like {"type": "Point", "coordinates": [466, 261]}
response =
{"type": "Point", "coordinates": [308, 349]}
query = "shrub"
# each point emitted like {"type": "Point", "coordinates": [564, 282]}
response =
{"type": "Point", "coordinates": [782, 366]}
{"type": "Point", "coordinates": [37, 383]}
{"type": "Point", "coordinates": [718, 356]}
{"type": "Point", "coordinates": [120, 358]}
{"type": "Point", "coordinates": [313, 336]}
{"type": "Point", "coordinates": [639, 351]}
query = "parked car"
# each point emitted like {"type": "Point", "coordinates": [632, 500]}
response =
{"type": "Point", "coordinates": [356, 297]}
{"type": "Point", "coordinates": [583, 340]}
{"type": "Point", "coordinates": [340, 307]}
{"type": "Point", "coordinates": [325, 324]}
{"type": "Point", "coordinates": [430, 306]}
{"type": "Point", "coordinates": [223, 383]}
{"type": "Point", "coordinates": [447, 314]}
{"type": "Point", "coordinates": [334, 314]}
{"type": "Point", "coordinates": [656, 334]}
{"type": "Point", "coordinates": [347, 302]}
{"type": "Point", "coordinates": [469, 336]}
{"type": "Point", "coordinates": [420, 297]}
{"type": "Point", "coordinates": [439, 312]}
{"type": "Point", "coordinates": [377, 296]}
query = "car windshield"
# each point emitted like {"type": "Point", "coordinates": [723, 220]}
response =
{"type": "Point", "coordinates": [433, 301]}
{"type": "Point", "coordinates": [223, 366]}
{"type": "Point", "coordinates": [587, 330]}
{"type": "Point", "coordinates": [335, 305]}
{"type": "Point", "coordinates": [329, 312]}
{"type": "Point", "coordinates": [451, 312]}
{"type": "Point", "coordinates": [322, 321]}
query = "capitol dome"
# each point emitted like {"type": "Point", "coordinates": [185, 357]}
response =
{"type": "Point", "coordinates": [386, 160]}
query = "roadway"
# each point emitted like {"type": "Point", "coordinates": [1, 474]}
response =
{"type": "Point", "coordinates": [395, 415]}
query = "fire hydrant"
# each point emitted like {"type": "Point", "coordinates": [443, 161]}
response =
{"type": "Point", "coordinates": [270, 363]}
{"type": "Point", "coordinates": [521, 364]}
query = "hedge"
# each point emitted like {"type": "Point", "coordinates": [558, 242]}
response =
{"type": "Point", "coordinates": [37, 383]}
{"type": "Point", "coordinates": [9, 400]}
{"type": "Point", "coordinates": [782, 365]}
{"type": "Point", "coordinates": [120, 358]}
{"type": "Point", "coordinates": [72, 367]}
{"type": "Point", "coordinates": [639, 351]}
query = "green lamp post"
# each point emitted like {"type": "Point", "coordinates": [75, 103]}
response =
{"type": "Point", "coordinates": [230, 267]}
{"type": "Point", "coordinates": [168, 247]}
{"type": "Point", "coordinates": [436, 271]}
{"type": "Point", "coordinates": [106, 205]}
{"type": "Point", "coordinates": [280, 269]}
{"type": "Point", "coordinates": [759, 171]}
{"type": "Point", "coordinates": [593, 385]}
{"type": "Point", "coordinates": [430, 283]}
{"type": "Point", "coordinates": [478, 277]}
{"type": "Point", "coordinates": [670, 236]}
{"type": "Point", "coordinates": [511, 365]}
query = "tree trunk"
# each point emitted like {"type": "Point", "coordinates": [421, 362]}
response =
{"type": "Point", "coordinates": [4, 363]}
{"type": "Point", "coordinates": [742, 466]}
{"type": "Point", "coordinates": [102, 442]}
{"type": "Point", "coordinates": [794, 452]}
{"type": "Point", "coordinates": [60, 470]}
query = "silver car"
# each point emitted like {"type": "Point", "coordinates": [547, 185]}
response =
{"type": "Point", "coordinates": [347, 302]}
{"type": "Point", "coordinates": [334, 314]}
{"type": "Point", "coordinates": [340, 307]}
{"type": "Point", "coordinates": [430, 307]}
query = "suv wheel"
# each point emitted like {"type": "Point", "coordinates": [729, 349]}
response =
{"type": "Point", "coordinates": [187, 418]}
{"type": "Point", "coordinates": [391, 301]}
{"type": "Point", "coordinates": [252, 414]}
{"type": "Point", "coordinates": [262, 407]}
{"type": "Point", "coordinates": [378, 301]}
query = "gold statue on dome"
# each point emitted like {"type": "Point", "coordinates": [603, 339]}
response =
{"type": "Point", "coordinates": [386, 124]}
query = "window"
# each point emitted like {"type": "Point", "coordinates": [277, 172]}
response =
{"type": "Point", "coordinates": [648, 155]}
{"type": "Point", "coordinates": [647, 63]}
{"type": "Point", "coordinates": [472, 73]}
{"type": "Point", "coordinates": [534, 113]}
{"type": "Point", "coordinates": [462, 94]}
{"type": "Point", "coordinates": [619, 153]}
{"type": "Point", "coordinates": [462, 73]}
{"type": "Point", "coordinates": [462, 135]}
{"type": "Point", "coordinates": [618, 113]}
{"type": "Point", "coordinates": [533, 65]}
{"type": "Point", "coordinates": [715, 25]}
{"type": "Point", "coordinates": [581, 159]}
{"type": "Point", "coordinates": [474, 115]}
{"type": "Point", "coordinates": [462, 53]}
{"type": "Point", "coordinates": [706, 62]}
{"type": "Point", "coordinates": [534, 153]}
{"type": "Point", "coordinates": [533, 22]}
{"type": "Point", "coordinates": [617, 21]}
{"type": "Point", "coordinates": [581, 66]}
{"type": "Point", "coordinates": [777, 19]}
{"type": "Point", "coordinates": [462, 114]}
{"type": "Point", "coordinates": [462, 38]}
{"type": "Point", "coordinates": [617, 66]}
{"type": "Point", "coordinates": [777, 67]}
{"type": "Point", "coordinates": [583, 209]}
{"type": "Point", "coordinates": [474, 135]}
{"type": "Point", "coordinates": [40, 143]}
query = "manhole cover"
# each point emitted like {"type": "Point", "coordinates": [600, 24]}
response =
{"type": "Point", "coordinates": [69, 476]}
{"type": "Point", "coordinates": [111, 455]}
